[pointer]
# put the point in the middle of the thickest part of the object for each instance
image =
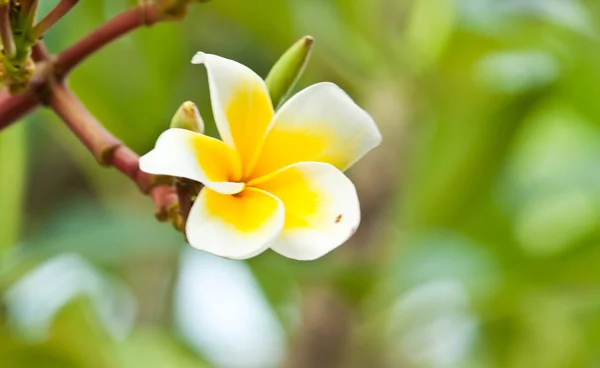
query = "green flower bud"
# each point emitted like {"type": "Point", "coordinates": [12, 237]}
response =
{"type": "Point", "coordinates": [287, 69]}
{"type": "Point", "coordinates": [188, 117]}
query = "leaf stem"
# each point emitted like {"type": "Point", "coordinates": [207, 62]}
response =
{"type": "Point", "coordinates": [6, 35]}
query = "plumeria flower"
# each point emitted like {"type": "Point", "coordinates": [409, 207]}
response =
{"type": "Point", "coordinates": [275, 181]}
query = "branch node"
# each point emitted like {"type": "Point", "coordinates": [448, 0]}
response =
{"type": "Point", "coordinates": [106, 153]}
{"type": "Point", "coordinates": [46, 87]}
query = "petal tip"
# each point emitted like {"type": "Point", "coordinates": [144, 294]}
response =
{"type": "Point", "coordinates": [377, 136]}
{"type": "Point", "coordinates": [199, 58]}
{"type": "Point", "coordinates": [144, 163]}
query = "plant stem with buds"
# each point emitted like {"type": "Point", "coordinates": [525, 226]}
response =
{"type": "Point", "coordinates": [47, 87]}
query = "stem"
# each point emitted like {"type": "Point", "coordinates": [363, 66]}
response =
{"type": "Point", "coordinates": [186, 190]}
{"type": "Point", "coordinates": [39, 52]}
{"type": "Point", "coordinates": [47, 87]}
{"type": "Point", "coordinates": [85, 126]}
{"type": "Point", "coordinates": [164, 196]}
{"type": "Point", "coordinates": [12, 108]}
{"type": "Point", "coordinates": [8, 42]}
{"type": "Point", "coordinates": [56, 14]}
{"type": "Point", "coordinates": [144, 14]}
{"type": "Point", "coordinates": [107, 149]}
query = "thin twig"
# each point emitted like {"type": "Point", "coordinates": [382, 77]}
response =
{"type": "Point", "coordinates": [108, 150]}
{"type": "Point", "coordinates": [85, 126]}
{"type": "Point", "coordinates": [144, 14]}
{"type": "Point", "coordinates": [12, 108]}
{"type": "Point", "coordinates": [131, 19]}
{"type": "Point", "coordinates": [48, 88]}
{"type": "Point", "coordinates": [39, 52]}
{"type": "Point", "coordinates": [6, 35]}
{"type": "Point", "coordinates": [56, 14]}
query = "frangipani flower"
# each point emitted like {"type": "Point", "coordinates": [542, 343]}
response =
{"type": "Point", "coordinates": [275, 181]}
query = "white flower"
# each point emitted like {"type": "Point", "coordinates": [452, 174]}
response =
{"type": "Point", "coordinates": [275, 181]}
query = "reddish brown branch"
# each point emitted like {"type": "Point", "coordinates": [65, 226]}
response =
{"type": "Point", "coordinates": [47, 87]}
{"type": "Point", "coordinates": [12, 108]}
{"type": "Point", "coordinates": [107, 149]}
{"type": "Point", "coordinates": [142, 15]}
{"type": "Point", "coordinates": [85, 126]}
{"type": "Point", "coordinates": [164, 196]}
{"type": "Point", "coordinates": [138, 16]}
{"type": "Point", "coordinates": [39, 52]}
{"type": "Point", "coordinates": [56, 14]}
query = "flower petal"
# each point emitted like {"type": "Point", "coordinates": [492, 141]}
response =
{"type": "Point", "coordinates": [320, 123]}
{"type": "Point", "coordinates": [321, 208]}
{"type": "Point", "coordinates": [241, 105]}
{"type": "Point", "coordinates": [186, 154]}
{"type": "Point", "coordinates": [235, 226]}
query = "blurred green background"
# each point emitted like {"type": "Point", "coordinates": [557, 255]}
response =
{"type": "Point", "coordinates": [479, 245]}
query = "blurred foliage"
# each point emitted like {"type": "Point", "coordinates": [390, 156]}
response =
{"type": "Point", "coordinates": [480, 239]}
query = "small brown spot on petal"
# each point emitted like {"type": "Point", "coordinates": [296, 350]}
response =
{"type": "Point", "coordinates": [338, 218]}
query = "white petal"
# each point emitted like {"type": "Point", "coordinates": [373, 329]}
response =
{"type": "Point", "coordinates": [321, 208]}
{"type": "Point", "coordinates": [241, 105]}
{"type": "Point", "coordinates": [186, 154]}
{"type": "Point", "coordinates": [237, 227]}
{"type": "Point", "coordinates": [321, 123]}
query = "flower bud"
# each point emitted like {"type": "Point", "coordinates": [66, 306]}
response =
{"type": "Point", "coordinates": [188, 117]}
{"type": "Point", "coordinates": [287, 69]}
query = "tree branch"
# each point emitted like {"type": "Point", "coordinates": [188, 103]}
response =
{"type": "Point", "coordinates": [108, 150]}
{"type": "Point", "coordinates": [47, 87]}
{"type": "Point", "coordinates": [56, 14]}
{"type": "Point", "coordinates": [145, 14]}
{"type": "Point", "coordinates": [85, 126]}
{"type": "Point", "coordinates": [39, 52]}
{"type": "Point", "coordinates": [12, 108]}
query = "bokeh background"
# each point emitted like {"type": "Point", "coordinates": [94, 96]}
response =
{"type": "Point", "coordinates": [480, 239]}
